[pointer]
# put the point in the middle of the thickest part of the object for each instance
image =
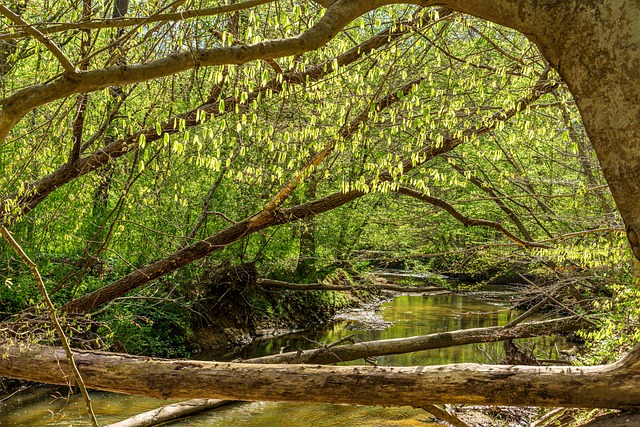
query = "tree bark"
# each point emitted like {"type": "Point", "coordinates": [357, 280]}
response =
{"type": "Point", "coordinates": [608, 386]}
{"type": "Point", "coordinates": [173, 412]}
{"type": "Point", "coordinates": [365, 349]}
{"type": "Point", "coordinates": [343, 353]}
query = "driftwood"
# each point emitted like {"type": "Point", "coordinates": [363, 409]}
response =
{"type": "Point", "coordinates": [607, 386]}
{"type": "Point", "coordinates": [325, 287]}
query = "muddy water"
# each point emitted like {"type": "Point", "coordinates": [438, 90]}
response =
{"type": "Point", "coordinates": [404, 316]}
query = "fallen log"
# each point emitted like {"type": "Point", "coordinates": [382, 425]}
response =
{"type": "Point", "coordinates": [343, 353]}
{"type": "Point", "coordinates": [333, 353]}
{"type": "Point", "coordinates": [325, 287]}
{"type": "Point", "coordinates": [173, 412]}
{"type": "Point", "coordinates": [607, 386]}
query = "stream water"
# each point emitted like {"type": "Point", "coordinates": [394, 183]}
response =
{"type": "Point", "coordinates": [402, 317]}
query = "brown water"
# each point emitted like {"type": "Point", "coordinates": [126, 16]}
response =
{"type": "Point", "coordinates": [410, 315]}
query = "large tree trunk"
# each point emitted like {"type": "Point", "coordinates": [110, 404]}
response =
{"type": "Point", "coordinates": [610, 386]}
{"type": "Point", "coordinates": [342, 353]}
{"type": "Point", "coordinates": [603, 73]}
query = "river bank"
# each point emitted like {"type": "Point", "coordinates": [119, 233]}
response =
{"type": "Point", "coordinates": [386, 317]}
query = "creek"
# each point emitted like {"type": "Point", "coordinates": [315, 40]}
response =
{"type": "Point", "coordinates": [401, 317]}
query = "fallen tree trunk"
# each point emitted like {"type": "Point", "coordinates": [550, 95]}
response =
{"type": "Point", "coordinates": [343, 353]}
{"type": "Point", "coordinates": [607, 386]}
{"type": "Point", "coordinates": [329, 354]}
{"type": "Point", "coordinates": [324, 287]}
{"type": "Point", "coordinates": [173, 412]}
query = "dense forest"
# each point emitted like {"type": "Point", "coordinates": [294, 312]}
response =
{"type": "Point", "coordinates": [179, 174]}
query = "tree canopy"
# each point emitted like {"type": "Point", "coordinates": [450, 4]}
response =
{"type": "Point", "coordinates": [144, 141]}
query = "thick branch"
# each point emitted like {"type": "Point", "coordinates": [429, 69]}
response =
{"type": "Point", "coordinates": [335, 18]}
{"type": "Point", "coordinates": [173, 412]}
{"type": "Point", "coordinates": [465, 220]}
{"type": "Point", "coordinates": [37, 191]}
{"type": "Point", "coordinates": [250, 225]}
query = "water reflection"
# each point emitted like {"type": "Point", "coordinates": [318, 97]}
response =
{"type": "Point", "coordinates": [410, 315]}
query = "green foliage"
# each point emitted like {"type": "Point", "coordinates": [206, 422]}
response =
{"type": "Point", "coordinates": [212, 146]}
{"type": "Point", "coordinates": [149, 328]}
{"type": "Point", "coordinates": [619, 326]}
{"type": "Point", "coordinates": [17, 294]}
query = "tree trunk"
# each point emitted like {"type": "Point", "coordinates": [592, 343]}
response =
{"type": "Point", "coordinates": [344, 353]}
{"type": "Point", "coordinates": [609, 386]}
{"type": "Point", "coordinates": [332, 354]}
{"type": "Point", "coordinates": [599, 57]}
{"type": "Point", "coordinates": [173, 412]}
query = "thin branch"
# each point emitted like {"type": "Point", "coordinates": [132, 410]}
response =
{"type": "Point", "coordinates": [585, 233]}
{"type": "Point", "coordinates": [54, 320]}
{"type": "Point", "coordinates": [50, 45]}
{"type": "Point", "coordinates": [322, 32]}
{"type": "Point", "coordinates": [129, 22]}
{"type": "Point", "coordinates": [270, 283]}
{"type": "Point", "coordinates": [550, 296]}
